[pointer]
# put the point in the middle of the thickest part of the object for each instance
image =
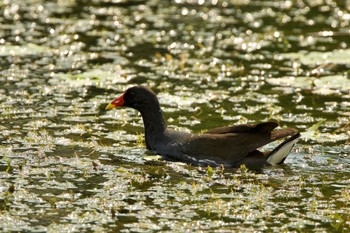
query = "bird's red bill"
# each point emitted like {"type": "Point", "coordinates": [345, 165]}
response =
{"type": "Point", "coordinates": [118, 102]}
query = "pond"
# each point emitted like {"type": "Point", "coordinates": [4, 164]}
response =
{"type": "Point", "coordinates": [67, 165]}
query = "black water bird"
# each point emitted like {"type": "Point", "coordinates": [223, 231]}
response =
{"type": "Point", "coordinates": [230, 146]}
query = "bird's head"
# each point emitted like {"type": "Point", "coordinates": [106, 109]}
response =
{"type": "Point", "coordinates": [136, 97]}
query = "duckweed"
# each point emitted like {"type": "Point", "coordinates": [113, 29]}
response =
{"type": "Point", "coordinates": [66, 165]}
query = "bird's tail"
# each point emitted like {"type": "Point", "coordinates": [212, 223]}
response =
{"type": "Point", "coordinates": [280, 153]}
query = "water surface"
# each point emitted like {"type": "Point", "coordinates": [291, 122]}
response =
{"type": "Point", "coordinates": [68, 165]}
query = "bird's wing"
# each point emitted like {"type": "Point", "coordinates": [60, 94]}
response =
{"type": "Point", "coordinates": [244, 128]}
{"type": "Point", "coordinates": [233, 143]}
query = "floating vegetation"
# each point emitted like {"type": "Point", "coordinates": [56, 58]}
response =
{"type": "Point", "coordinates": [22, 50]}
{"type": "Point", "coordinates": [327, 85]}
{"type": "Point", "coordinates": [66, 165]}
{"type": "Point", "coordinates": [320, 58]}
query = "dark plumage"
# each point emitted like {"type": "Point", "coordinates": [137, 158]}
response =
{"type": "Point", "coordinates": [230, 146]}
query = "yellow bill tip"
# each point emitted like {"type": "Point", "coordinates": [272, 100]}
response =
{"type": "Point", "coordinates": [110, 106]}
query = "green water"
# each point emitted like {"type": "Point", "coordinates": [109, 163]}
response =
{"type": "Point", "coordinates": [66, 165]}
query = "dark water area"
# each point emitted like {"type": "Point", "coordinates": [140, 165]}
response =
{"type": "Point", "coordinates": [67, 165]}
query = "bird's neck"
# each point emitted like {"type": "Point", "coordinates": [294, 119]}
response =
{"type": "Point", "coordinates": [155, 126]}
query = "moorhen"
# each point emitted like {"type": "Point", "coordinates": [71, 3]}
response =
{"type": "Point", "coordinates": [229, 146]}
